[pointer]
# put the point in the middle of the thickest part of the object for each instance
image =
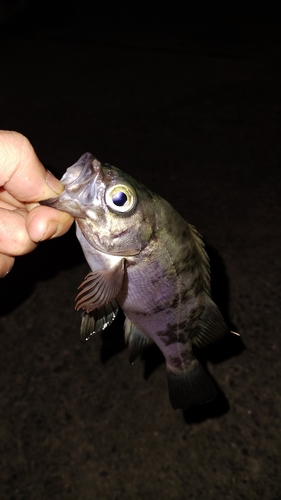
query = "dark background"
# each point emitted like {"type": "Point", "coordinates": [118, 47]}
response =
{"type": "Point", "coordinates": [187, 100]}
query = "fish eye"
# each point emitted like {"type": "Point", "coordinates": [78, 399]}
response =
{"type": "Point", "coordinates": [120, 198]}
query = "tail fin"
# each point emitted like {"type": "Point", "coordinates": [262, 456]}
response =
{"type": "Point", "coordinates": [191, 387]}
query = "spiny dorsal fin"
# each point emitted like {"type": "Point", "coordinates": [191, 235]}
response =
{"type": "Point", "coordinates": [203, 259]}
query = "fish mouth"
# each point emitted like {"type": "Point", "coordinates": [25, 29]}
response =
{"type": "Point", "coordinates": [79, 182]}
{"type": "Point", "coordinates": [81, 172]}
{"type": "Point", "coordinates": [64, 204]}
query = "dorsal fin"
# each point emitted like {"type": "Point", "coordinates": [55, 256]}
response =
{"type": "Point", "coordinates": [211, 325]}
{"type": "Point", "coordinates": [203, 259]}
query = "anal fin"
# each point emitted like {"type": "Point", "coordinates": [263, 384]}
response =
{"type": "Point", "coordinates": [191, 387]}
{"type": "Point", "coordinates": [135, 339]}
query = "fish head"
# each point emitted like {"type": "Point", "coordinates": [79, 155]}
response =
{"type": "Point", "coordinates": [114, 212]}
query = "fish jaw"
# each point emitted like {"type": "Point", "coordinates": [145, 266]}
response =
{"type": "Point", "coordinates": [75, 179]}
{"type": "Point", "coordinates": [64, 203]}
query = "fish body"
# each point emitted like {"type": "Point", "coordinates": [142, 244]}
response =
{"type": "Point", "coordinates": [147, 260]}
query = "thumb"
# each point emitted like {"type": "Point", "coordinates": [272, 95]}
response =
{"type": "Point", "coordinates": [21, 172]}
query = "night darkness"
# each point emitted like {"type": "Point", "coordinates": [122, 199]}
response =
{"type": "Point", "coordinates": [187, 101]}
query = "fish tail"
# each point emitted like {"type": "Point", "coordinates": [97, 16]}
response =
{"type": "Point", "coordinates": [190, 387]}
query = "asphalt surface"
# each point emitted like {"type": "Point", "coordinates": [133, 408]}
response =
{"type": "Point", "coordinates": [202, 128]}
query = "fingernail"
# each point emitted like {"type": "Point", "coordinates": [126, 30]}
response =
{"type": "Point", "coordinates": [54, 183]}
{"type": "Point", "coordinates": [5, 273]}
{"type": "Point", "coordinates": [51, 231]}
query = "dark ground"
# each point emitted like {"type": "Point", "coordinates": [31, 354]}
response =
{"type": "Point", "coordinates": [194, 113]}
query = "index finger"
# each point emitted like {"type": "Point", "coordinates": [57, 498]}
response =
{"type": "Point", "coordinates": [21, 172]}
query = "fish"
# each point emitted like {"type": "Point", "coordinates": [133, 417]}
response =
{"type": "Point", "coordinates": [148, 261]}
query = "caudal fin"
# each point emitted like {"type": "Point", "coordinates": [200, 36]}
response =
{"type": "Point", "coordinates": [191, 387]}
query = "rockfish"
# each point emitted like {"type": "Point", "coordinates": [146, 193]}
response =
{"type": "Point", "coordinates": [147, 260]}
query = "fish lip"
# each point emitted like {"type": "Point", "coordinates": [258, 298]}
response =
{"type": "Point", "coordinates": [64, 204]}
{"type": "Point", "coordinates": [75, 179]}
{"type": "Point", "coordinates": [88, 168]}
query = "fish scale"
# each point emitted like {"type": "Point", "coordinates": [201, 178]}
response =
{"type": "Point", "coordinates": [147, 260]}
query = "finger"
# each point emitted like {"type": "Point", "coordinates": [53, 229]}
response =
{"type": "Point", "coordinates": [6, 264]}
{"type": "Point", "coordinates": [21, 172]}
{"type": "Point", "coordinates": [14, 238]}
{"type": "Point", "coordinates": [43, 223]}
{"type": "Point", "coordinates": [8, 201]}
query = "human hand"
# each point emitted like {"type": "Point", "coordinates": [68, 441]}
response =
{"type": "Point", "coordinates": [23, 183]}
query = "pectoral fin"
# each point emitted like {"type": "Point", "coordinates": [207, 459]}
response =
{"type": "Point", "coordinates": [135, 339]}
{"type": "Point", "coordinates": [211, 325]}
{"type": "Point", "coordinates": [190, 387]}
{"type": "Point", "coordinates": [100, 287]}
{"type": "Point", "coordinates": [98, 320]}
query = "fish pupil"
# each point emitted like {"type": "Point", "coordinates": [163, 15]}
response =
{"type": "Point", "coordinates": [119, 199]}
